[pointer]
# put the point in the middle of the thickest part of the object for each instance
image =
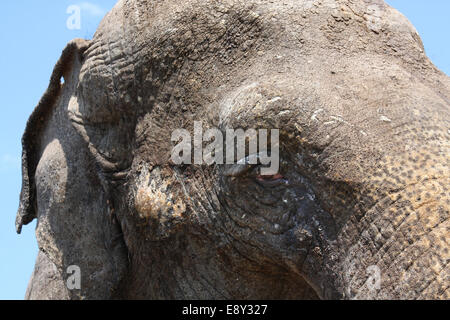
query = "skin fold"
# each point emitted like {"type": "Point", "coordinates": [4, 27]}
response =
{"type": "Point", "coordinates": [363, 183]}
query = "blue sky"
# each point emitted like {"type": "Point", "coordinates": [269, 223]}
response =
{"type": "Point", "coordinates": [32, 35]}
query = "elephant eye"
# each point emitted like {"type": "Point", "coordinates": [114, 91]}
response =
{"type": "Point", "coordinates": [238, 170]}
{"type": "Point", "coordinates": [250, 168]}
{"type": "Point", "coordinates": [273, 177]}
{"type": "Point", "coordinates": [242, 167]}
{"type": "Point", "coordinates": [271, 180]}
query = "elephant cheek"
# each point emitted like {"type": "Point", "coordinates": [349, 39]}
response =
{"type": "Point", "coordinates": [148, 205]}
{"type": "Point", "coordinates": [158, 206]}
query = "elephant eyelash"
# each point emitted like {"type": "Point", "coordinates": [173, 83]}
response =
{"type": "Point", "coordinates": [242, 167]}
{"type": "Point", "coordinates": [238, 170]}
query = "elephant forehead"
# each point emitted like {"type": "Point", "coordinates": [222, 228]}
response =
{"type": "Point", "coordinates": [289, 65]}
{"type": "Point", "coordinates": [142, 55]}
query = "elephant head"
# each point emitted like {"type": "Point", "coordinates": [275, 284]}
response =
{"type": "Point", "coordinates": [359, 208]}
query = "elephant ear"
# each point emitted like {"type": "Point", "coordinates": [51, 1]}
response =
{"type": "Point", "coordinates": [36, 122]}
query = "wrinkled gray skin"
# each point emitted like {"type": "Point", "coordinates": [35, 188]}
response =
{"type": "Point", "coordinates": [364, 119]}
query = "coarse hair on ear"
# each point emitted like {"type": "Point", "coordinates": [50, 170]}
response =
{"type": "Point", "coordinates": [27, 207]}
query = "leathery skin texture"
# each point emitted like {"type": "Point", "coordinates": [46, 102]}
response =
{"type": "Point", "coordinates": [364, 156]}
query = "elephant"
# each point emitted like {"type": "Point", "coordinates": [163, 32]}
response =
{"type": "Point", "coordinates": [359, 208]}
